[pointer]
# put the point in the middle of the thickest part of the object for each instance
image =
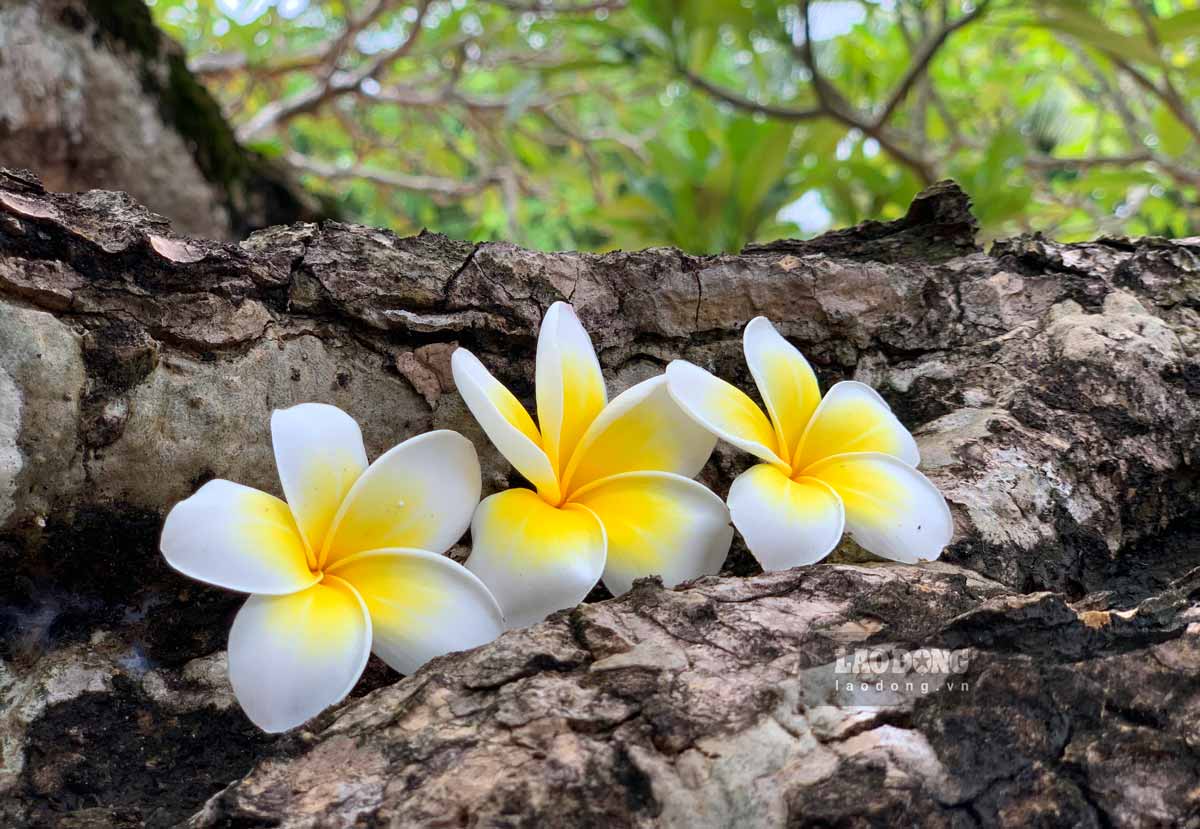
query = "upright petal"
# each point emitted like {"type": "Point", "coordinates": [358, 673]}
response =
{"type": "Point", "coordinates": [724, 410]}
{"type": "Point", "coordinates": [291, 657]}
{"type": "Point", "coordinates": [785, 380]}
{"type": "Point", "coordinates": [236, 537]}
{"type": "Point", "coordinates": [658, 524]}
{"type": "Point", "coordinates": [419, 494]}
{"type": "Point", "coordinates": [319, 453]}
{"type": "Point", "coordinates": [854, 418]}
{"type": "Point", "coordinates": [570, 388]}
{"type": "Point", "coordinates": [642, 429]}
{"type": "Point", "coordinates": [892, 510]}
{"type": "Point", "coordinates": [505, 421]}
{"type": "Point", "coordinates": [535, 558]}
{"type": "Point", "coordinates": [422, 605]}
{"type": "Point", "coordinates": [785, 523]}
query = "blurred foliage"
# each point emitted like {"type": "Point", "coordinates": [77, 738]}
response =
{"type": "Point", "coordinates": [708, 124]}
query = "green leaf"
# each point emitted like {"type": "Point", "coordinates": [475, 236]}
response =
{"type": "Point", "coordinates": [1073, 18]}
{"type": "Point", "coordinates": [1179, 27]}
{"type": "Point", "coordinates": [1173, 136]}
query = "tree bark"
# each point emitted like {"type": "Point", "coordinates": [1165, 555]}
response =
{"type": "Point", "coordinates": [1053, 390]}
{"type": "Point", "coordinates": [95, 96]}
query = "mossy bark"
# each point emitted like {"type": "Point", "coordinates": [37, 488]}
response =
{"type": "Point", "coordinates": [99, 97]}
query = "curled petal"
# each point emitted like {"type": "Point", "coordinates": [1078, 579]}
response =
{"type": "Point", "coordinates": [854, 418]}
{"type": "Point", "coordinates": [419, 494]}
{"type": "Point", "coordinates": [236, 537]}
{"type": "Point", "coordinates": [291, 657]}
{"type": "Point", "coordinates": [570, 388]}
{"type": "Point", "coordinates": [785, 380]}
{"type": "Point", "coordinates": [892, 510]}
{"type": "Point", "coordinates": [658, 524]}
{"type": "Point", "coordinates": [642, 429]}
{"type": "Point", "coordinates": [505, 421]}
{"type": "Point", "coordinates": [535, 558]}
{"type": "Point", "coordinates": [724, 410]}
{"type": "Point", "coordinates": [785, 523]}
{"type": "Point", "coordinates": [421, 605]}
{"type": "Point", "coordinates": [319, 453]}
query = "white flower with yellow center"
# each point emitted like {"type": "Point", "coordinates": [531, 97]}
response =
{"type": "Point", "coordinates": [614, 495]}
{"type": "Point", "coordinates": [839, 463]}
{"type": "Point", "coordinates": [349, 564]}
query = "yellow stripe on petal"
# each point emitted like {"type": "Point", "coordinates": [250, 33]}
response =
{"type": "Point", "coordinates": [505, 421]}
{"type": "Point", "coordinates": [319, 453]}
{"type": "Point", "coordinates": [785, 522]}
{"type": "Point", "coordinates": [724, 410]}
{"type": "Point", "coordinates": [641, 430]}
{"type": "Point", "coordinates": [892, 510]}
{"type": "Point", "coordinates": [236, 537]}
{"type": "Point", "coordinates": [785, 380]}
{"type": "Point", "coordinates": [419, 494]}
{"type": "Point", "coordinates": [570, 388]}
{"type": "Point", "coordinates": [660, 524]}
{"type": "Point", "coordinates": [854, 418]}
{"type": "Point", "coordinates": [422, 605]}
{"type": "Point", "coordinates": [291, 657]}
{"type": "Point", "coordinates": [533, 557]}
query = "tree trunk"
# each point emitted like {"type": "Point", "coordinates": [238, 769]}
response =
{"type": "Point", "coordinates": [1053, 390]}
{"type": "Point", "coordinates": [93, 95]}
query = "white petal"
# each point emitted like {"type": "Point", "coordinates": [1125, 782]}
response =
{"type": "Point", "coordinates": [291, 657]}
{"type": "Point", "coordinates": [505, 421]}
{"type": "Point", "coordinates": [892, 510]}
{"type": "Point", "coordinates": [420, 494]}
{"type": "Point", "coordinates": [236, 537]}
{"type": "Point", "coordinates": [660, 524]}
{"type": "Point", "coordinates": [570, 388]}
{"type": "Point", "coordinates": [535, 558]}
{"type": "Point", "coordinates": [785, 380]}
{"type": "Point", "coordinates": [785, 523]}
{"type": "Point", "coordinates": [422, 605]}
{"type": "Point", "coordinates": [319, 453]}
{"type": "Point", "coordinates": [724, 410]}
{"type": "Point", "coordinates": [854, 418]}
{"type": "Point", "coordinates": [641, 430]}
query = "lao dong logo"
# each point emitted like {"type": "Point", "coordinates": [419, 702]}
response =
{"type": "Point", "coordinates": [900, 670]}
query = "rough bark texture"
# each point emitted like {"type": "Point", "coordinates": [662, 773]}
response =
{"type": "Point", "coordinates": [92, 95]}
{"type": "Point", "coordinates": [1053, 389]}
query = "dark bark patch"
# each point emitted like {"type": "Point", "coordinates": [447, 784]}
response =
{"type": "Point", "coordinates": [125, 754]}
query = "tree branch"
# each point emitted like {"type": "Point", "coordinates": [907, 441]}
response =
{"type": "Point", "coordinates": [1167, 94]}
{"type": "Point", "coordinates": [221, 64]}
{"type": "Point", "coordinates": [335, 84]}
{"type": "Point", "coordinates": [1181, 174]}
{"type": "Point", "coordinates": [922, 60]}
{"type": "Point", "coordinates": [436, 185]}
{"type": "Point", "coordinates": [549, 8]}
{"type": "Point", "coordinates": [830, 103]}
{"type": "Point", "coordinates": [746, 104]}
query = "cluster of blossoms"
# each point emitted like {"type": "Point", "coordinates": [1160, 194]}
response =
{"type": "Point", "coordinates": [353, 561]}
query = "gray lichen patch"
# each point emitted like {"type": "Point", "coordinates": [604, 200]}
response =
{"type": "Point", "coordinates": [10, 452]}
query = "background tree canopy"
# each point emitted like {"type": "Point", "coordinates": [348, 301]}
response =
{"type": "Point", "coordinates": [707, 124]}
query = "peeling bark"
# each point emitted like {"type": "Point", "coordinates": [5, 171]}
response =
{"type": "Point", "coordinates": [1052, 388]}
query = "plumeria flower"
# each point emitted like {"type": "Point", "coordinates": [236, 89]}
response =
{"type": "Point", "coordinates": [839, 463]}
{"type": "Point", "coordinates": [349, 564]}
{"type": "Point", "coordinates": [614, 494]}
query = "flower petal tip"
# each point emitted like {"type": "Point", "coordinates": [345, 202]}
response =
{"type": "Point", "coordinates": [291, 657]}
